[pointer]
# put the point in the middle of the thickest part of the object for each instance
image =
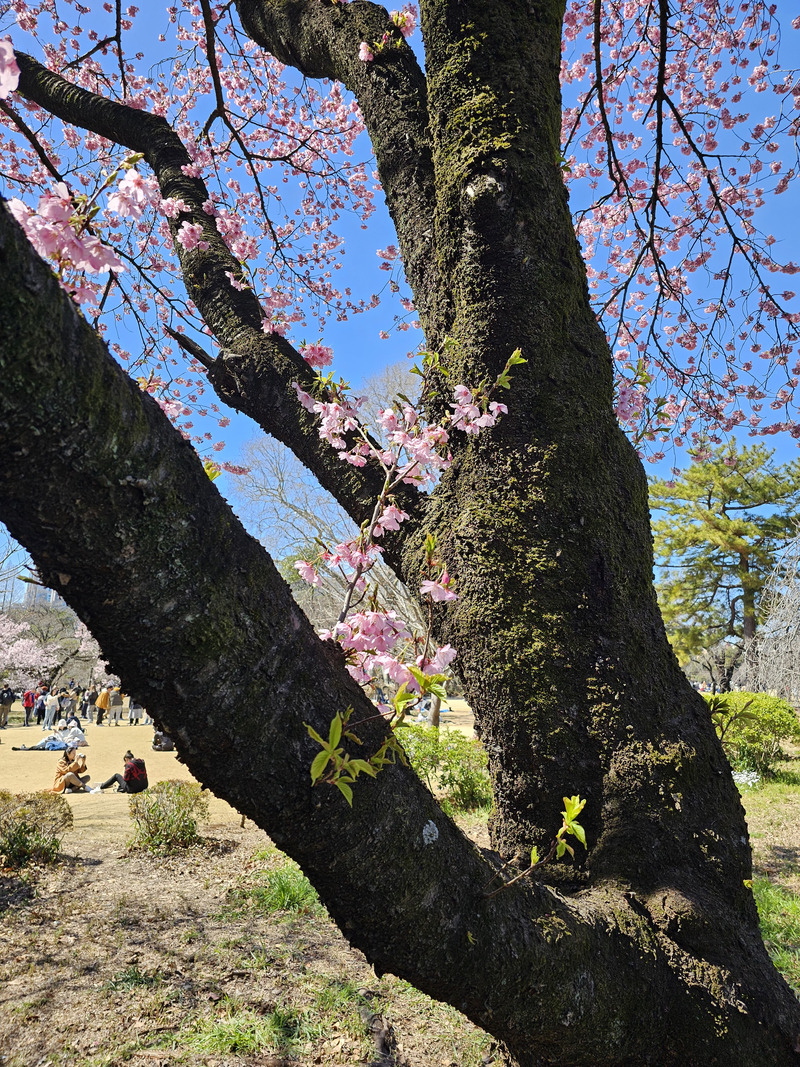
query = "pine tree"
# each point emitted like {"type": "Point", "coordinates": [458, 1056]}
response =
{"type": "Point", "coordinates": [723, 521]}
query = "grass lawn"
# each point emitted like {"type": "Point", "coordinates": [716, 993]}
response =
{"type": "Point", "coordinates": [773, 816]}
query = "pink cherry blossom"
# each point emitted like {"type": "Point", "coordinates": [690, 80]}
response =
{"type": "Point", "coordinates": [405, 19]}
{"type": "Point", "coordinates": [317, 355]}
{"type": "Point", "coordinates": [305, 399]}
{"type": "Point", "coordinates": [133, 194]}
{"type": "Point", "coordinates": [9, 71]}
{"type": "Point", "coordinates": [364, 53]}
{"type": "Point", "coordinates": [439, 590]}
{"type": "Point", "coordinates": [630, 402]}
{"type": "Point", "coordinates": [440, 662]}
{"type": "Point", "coordinates": [308, 572]}
{"type": "Point", "coordinates": [172, 207]}
{"type": "Point", "coordinates": [190, 236]}
{"type": "Point", "coordinates": [390, 519]}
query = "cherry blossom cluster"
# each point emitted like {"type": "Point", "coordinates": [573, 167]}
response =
{"type": "Point", "coordinates": [672, 137]}
{"type": "Point", "coordinates": [9, 71]}
{"type": "Point", "coordinates": [59, 230]}
{"type": "Point", "coordinates": [133, 194]}
{"type": "Point", "coordinates": [279, 163]}
{"type": "Point", "coordinates": [675, 133]}
{"type": "Point", "coordinates": [406, 22]}
{"type": "Point", "coordinates": [468, 415]}
{"type": "Point", "coordinates": [408, 450]}
{"type": "Point", "coordinates": [26, 657]}
{"type": "Point", "coordinates": [630, 403]}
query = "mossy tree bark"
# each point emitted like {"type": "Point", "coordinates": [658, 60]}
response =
{"type": "Point", "coordinates": [648, 950]}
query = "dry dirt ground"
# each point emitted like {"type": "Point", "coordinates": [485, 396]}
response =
{"type": "Point", "coordinates": [111, 957]}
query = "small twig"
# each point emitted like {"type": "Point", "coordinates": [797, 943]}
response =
{"type": "Point", "coordinates": [30, 136]}
{"type": "Point", "coordinates": [522, 874]}
{"type": "Point", "coordinates": [192, 347]}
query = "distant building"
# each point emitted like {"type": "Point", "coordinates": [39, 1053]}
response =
{"type": "Point", "coordinates": [37, 596]}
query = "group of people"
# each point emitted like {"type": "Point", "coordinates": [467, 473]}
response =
{"type": "Point", "coordinates": [58, 711]}
{"type": "Point", "coordinates": [72, 777]}
{"type": "Point", "coordinates": [46, 706]}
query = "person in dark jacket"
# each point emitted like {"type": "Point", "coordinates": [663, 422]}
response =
{"type": "Point", "coordinates": [133, 778]}
{"type": "Point", "coordinates": [7, 698]}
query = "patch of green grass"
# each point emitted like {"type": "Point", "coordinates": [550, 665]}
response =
{"type": "Point", "coordinates": [283, 888]}
{"type": "Point", "coordinates": [266, 855]}
{"type": "Point", "coordinates": [337, 995]}
{"type": "Point", "coordinates": [259, 959]}
{"type": "Point", "coordinates": [452, 1037]}
{"type": "Point", "coordinates": [779, 912]}
{"type": "Point", "coordinates": [784, 776]}
{"type": "Point", "coordinates": [243, 1031]}
{"type": "Point", "coordinates": [133, 978]}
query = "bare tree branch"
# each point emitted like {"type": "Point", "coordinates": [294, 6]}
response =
{"type": "Point", "coordinates": [322, 40]}
{"type": "Point", "coordinates": [254, 372]}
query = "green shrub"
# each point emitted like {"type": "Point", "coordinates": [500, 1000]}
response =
{"type": "Point", "coordinates": [31, 827]}
{"type": "Point", "coordinates": [166, 816]}
{"type": "Point", "coordinates": [421, 744]}
{"type": "Point", "coordinates": [751, 727]}
{"type": "Point", "coordinates": [450, 763]}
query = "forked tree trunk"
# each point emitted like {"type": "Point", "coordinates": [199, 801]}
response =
{"type": "Point", "coordinates": [648, 952]}
{"type": "Point", "coordinates": [659, 968]}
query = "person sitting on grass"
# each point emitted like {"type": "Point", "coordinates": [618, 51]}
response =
{"type": "Point", "coordinates": [71, 774]}
{"type": "Point", "coordinates": [162, 742]}
{"type": "Point", "coordinates": [133, 778]}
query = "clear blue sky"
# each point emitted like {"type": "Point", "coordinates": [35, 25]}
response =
{"type": "Point", "coordinates": [359, 351]}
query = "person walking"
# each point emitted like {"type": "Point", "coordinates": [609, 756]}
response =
{"type": "Point", "coordinates": [114, 706]}
{"type": "Point", "coordinates": [102, 703]}
{"type": "Point", "coordinates": [7, 698]}
{"type": "Point", "coordinates": [51, 711]}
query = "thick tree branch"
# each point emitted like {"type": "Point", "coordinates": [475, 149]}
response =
{"type": "Point", "coordinates": [120, 518]}
{"type": "Point", "coordinates": [322, 40]}
{"type": "Point", "coordinates": [254, 372]}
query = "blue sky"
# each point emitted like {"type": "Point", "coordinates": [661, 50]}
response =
{"type": "Point", "coordinates": [359, 351]}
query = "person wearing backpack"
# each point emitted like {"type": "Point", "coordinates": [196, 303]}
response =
{"type": "Point", "coordinates": [39, 706]}
{"type": "Point", "coordinates": [133, 778]}
{"type": "Point", "coordinates": [7, 698]}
